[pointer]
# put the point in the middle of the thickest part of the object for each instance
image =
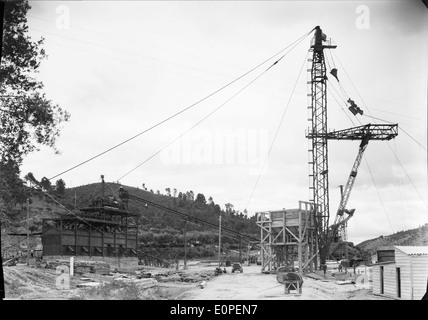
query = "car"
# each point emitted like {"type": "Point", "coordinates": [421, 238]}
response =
{"type": "Point", "coordinates": [237, 267]}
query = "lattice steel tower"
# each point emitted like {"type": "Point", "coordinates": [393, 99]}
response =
{"type": "Point", "coordinates": [318, 151]}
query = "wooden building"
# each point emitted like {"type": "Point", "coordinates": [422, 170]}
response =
{"type": "Point", "coordinates": [104, 229]}
{"type": "Point", "coordinates": [288, 238]}
{"type": "Point", "coordinates": [404, 278]}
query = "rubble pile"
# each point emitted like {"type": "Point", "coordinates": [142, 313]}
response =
{"type": "Point", "coordinates": [175, 276]}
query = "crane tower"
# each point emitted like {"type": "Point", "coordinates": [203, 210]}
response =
{"type": "Point", "coordinates": [319, 136]}
{"type": "Point", "coordinates": [318, 151]}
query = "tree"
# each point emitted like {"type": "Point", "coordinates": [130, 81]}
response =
{"type": "Point", "coordinates": [12, 190]}
{"type": "Point", "coordinates": [229, 208]}
{"type": "Point", "coordinates": [46, 184]}
{"type": "Point", "coordinates": [210, 201]}
{"type": "Point", "coordinates": [27, 118]}
{"type": "Point", "coordinates": [60, 187]}
{"type": "Point", "coordinates": [217, 209]}
{"type": "Point", "coordinates": [30, 177]}
{"type": "Point", "coordinates": [175, 192]}
{"type": "Point", "coordinates": [200, 198]}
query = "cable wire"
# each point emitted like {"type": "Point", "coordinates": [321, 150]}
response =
{"type": "Point", "coordinates": [207, 116]}
{"type": "Point", "coordinates": [378, 193]}
{"type": "Point", "coordinates": [276, 133]}
{"type": "Point", "coordinates": [417, 142]}
{"type": "Point", "coordinates": [181, 111]}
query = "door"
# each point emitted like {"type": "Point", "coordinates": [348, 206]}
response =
{"type": "Point", "coordinates": [381, 280]}
{"type": "Point", "coordinates": [398, 277]}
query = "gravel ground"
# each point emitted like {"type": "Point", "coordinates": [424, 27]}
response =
{"type": "Point", "coordinates": [27, 283]}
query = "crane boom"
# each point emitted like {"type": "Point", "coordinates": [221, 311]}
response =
{"type": "Point", "coordinates": [365, 134]}
{"type": "Point", "coordinates": [350, 183]}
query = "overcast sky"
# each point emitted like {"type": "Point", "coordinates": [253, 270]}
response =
{"type": "Point", "coordinates": [121, 67]}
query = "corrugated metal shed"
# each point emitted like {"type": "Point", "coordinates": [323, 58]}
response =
{"type": "Point", "coordinates": [406, 277]}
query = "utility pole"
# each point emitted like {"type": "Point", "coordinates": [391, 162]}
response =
{"type": "Point", "coordinates": [102, 186]}
{"type": "Point", "coordinates": [185, 245]}
{"type": "Point", "coordinates": [240, 249]}
{"type": "Point", "coordinates": [219, 240]}
{"type": "Point", "coordinates": [28, 232]}
{"type": "Point", "coordinates": [248, 254]}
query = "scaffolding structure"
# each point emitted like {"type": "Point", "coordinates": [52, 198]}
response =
{"type": "Point", "coordinates": [288, 238]}
{"type": "Point", "coordinates": [103, 229]}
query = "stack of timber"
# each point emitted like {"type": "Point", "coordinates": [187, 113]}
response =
{"type": "Point", "coordinates": [81, 266]}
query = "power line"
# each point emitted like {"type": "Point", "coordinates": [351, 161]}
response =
{"type": "Point", "coordinates": [423, 147]}
{"type": "Point", "coordinates": [209, 114]}
{"type": "Point", "coordinates": [377, 191]}
{"type": "Point", "coordinates": [388, 144]}
{"type": "Point", "coordinates": [130, 41]}
{"type": "Point", "coordinates": [188, 217]}
{"type": "Point", "coordinates": [347, 115]}
{"type": "Point", "coordinates": [411, 181]}
{"type": "Point", "coordinates": [181, 111]}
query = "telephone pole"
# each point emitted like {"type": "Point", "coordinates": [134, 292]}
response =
{"type": "Point", "coordinates": [28, 232]}
{"type": "Point", "coordinates": [185, 245]}
{"type": "Point", "coordinates": [219, 239]}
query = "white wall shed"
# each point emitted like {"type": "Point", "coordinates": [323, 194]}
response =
{"type": "Point", "coordinates": [406, 277]}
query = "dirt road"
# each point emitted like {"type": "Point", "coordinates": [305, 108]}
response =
{"type": "Point", "coordinates": [253, 285]}
{"type": "Point", "coordinates": [39, 284]}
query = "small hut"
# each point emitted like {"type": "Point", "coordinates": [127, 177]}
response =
{"type": "Point", "coordinates": [404, 278]}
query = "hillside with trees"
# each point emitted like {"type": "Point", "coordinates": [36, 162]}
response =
{"type": "Point", "coordinates": [163, 231]}
{"type": "Point", "coordinates": [412, 237]}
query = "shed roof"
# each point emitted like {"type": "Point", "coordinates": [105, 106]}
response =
{"type": "Point", "coordinates": [413, 250]}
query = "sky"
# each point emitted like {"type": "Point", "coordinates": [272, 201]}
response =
{"type": "Point", "coordinates": [121, 67]}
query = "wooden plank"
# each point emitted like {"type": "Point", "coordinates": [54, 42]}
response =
{"type": "Point", "coordinates": [376, 279]}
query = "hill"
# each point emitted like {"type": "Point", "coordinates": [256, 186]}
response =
{"type": "Point", "coordinates": [155, 219]}
{"type": "Point", "coordinates": [161, 232]}
{"type": "Point", "coordinates": [412, 237]}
